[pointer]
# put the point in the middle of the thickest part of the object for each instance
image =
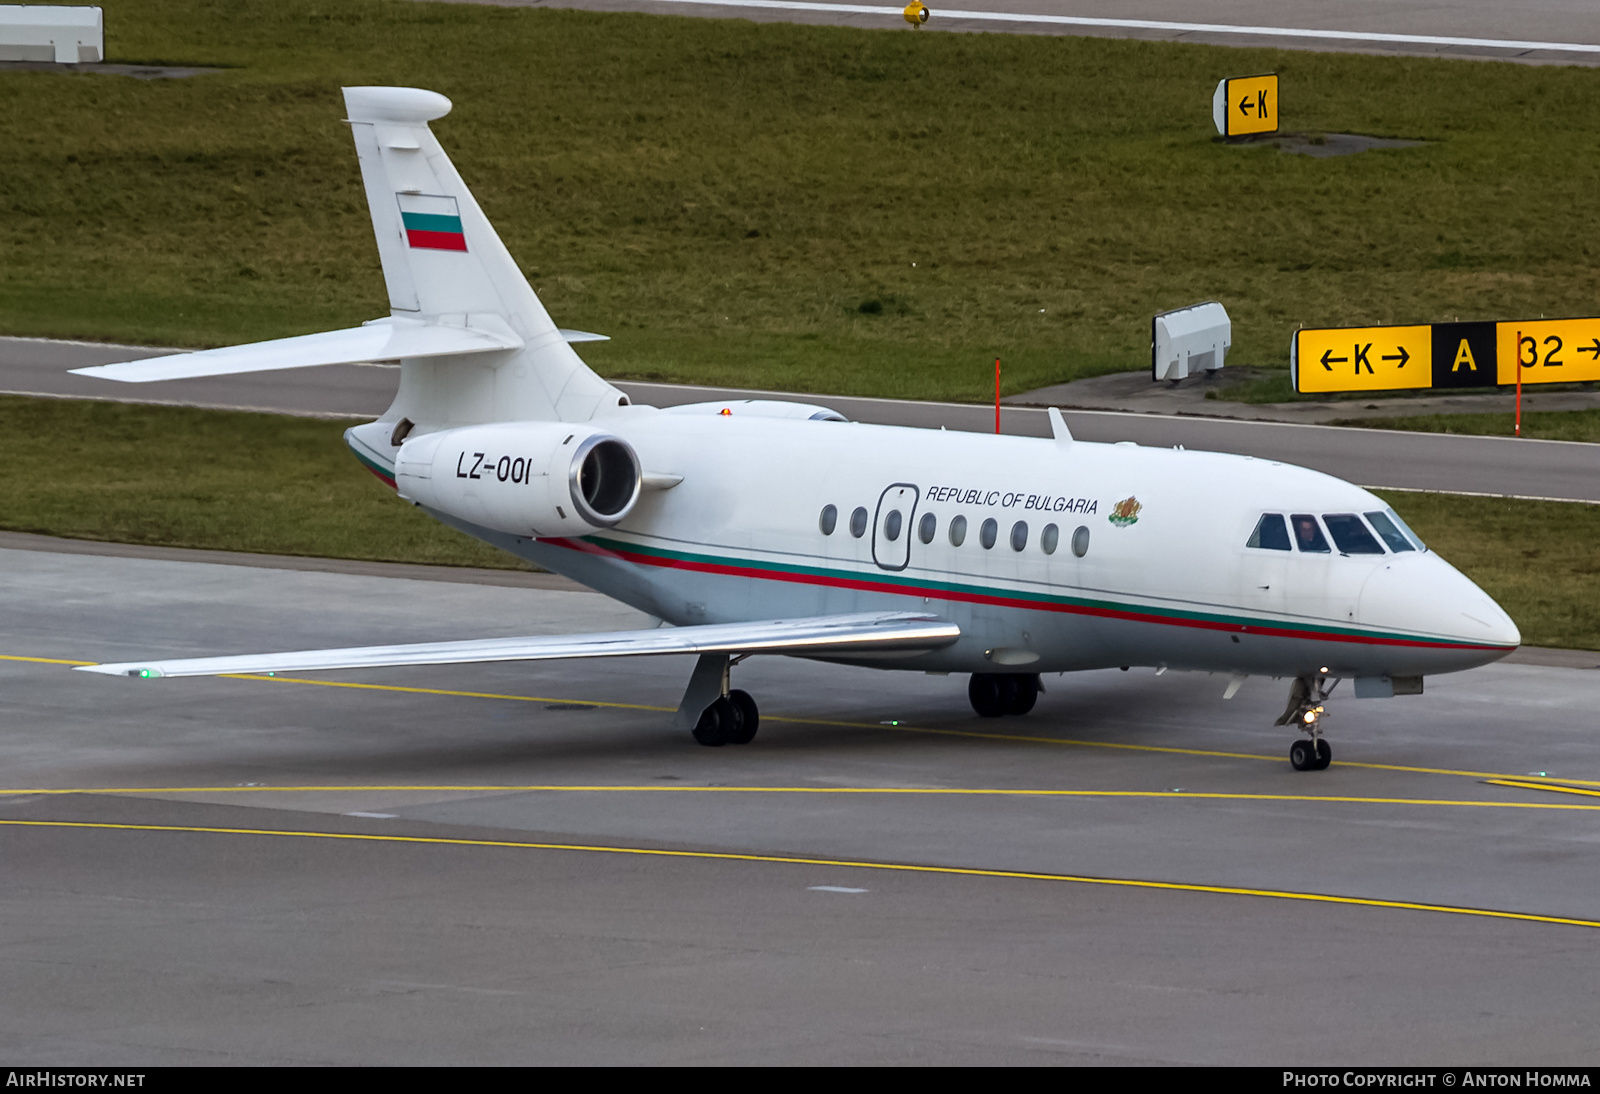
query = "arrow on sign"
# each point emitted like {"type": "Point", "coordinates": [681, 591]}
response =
{"type": "Point", "coordinates": [1327, 357]}
{"type": "Point", "coordinates": [1594, 349]}
{"type": "Point", "coordinates": [1403, 356]}
{"type": "Point", "coordinates": [1244, 105]}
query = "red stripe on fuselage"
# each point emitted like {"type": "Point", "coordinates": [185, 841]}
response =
{"type": "Point", "coordinates": [866, 585]}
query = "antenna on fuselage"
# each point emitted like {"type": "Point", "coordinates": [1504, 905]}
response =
{"type": "Point", "coordinates": [1058, 428]}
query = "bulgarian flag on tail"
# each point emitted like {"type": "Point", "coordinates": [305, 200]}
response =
{"type": "Point", "coordinates": [432, 222]}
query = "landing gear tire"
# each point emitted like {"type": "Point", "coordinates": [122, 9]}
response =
{"type": "Point", "coordinates": [987, 694]}
{"type": "Point", "coordinates": [1310, 756]}
{"type": "Point", "coordinates": [994, 694]}
{"type": "Point", "coordinates": [1026, 694]}
{"type": "Point", "coordinates": [749, 718]}
{"type": "Point", "coordinates": [731, 720]}
{"type": "Point", "coordinates": [717, 724]}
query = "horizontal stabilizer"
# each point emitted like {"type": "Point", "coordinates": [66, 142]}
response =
{"type": "Point", "coordinates": [379, 340]}
{"type": "Point", "coordinates": [821, 636]}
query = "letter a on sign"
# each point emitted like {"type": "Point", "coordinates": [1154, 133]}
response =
{"type": "Point", "coordinates": [1464, 357]}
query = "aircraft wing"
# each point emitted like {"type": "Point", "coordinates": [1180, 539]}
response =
{"type": "Point", "coordinates": [820, 635]}
{"type": "Point", "coordinates": [380, 340]}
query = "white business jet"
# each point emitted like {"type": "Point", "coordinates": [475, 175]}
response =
{"type": "Point", "coordinates": [766, 527]}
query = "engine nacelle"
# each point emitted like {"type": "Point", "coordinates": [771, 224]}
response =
{"type": "Point", "coordinates": [524, 478]}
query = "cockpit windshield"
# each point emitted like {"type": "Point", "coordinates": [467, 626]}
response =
{"type": "Point", "coordinates": [1270, 533]}
{"type": "Point", "coordinates": [1395, 532]}
{"type": "Point", "coordinates": [1350, 535]}
{"type": "Point", "coordinates": [1308, 534]}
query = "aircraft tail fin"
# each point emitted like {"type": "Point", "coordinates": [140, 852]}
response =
{"type": "Point", "coordinates": [444, 263]}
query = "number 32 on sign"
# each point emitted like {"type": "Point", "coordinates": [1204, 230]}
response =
{"type": "Point", "coordinates": [1552, 351]}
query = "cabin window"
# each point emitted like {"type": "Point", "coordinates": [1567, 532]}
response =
{"type": "Point", "coordinates": [1350, 535]}
{"type": "Point", "coordinates": [858, 522]}
{"type": "Point", "coordinates": [989, 533]}
{"type": "Point", "coordinates": [958, 531]}
{"type": "Point", "coordinates": [1394, 532]}
{"type": "Point", "coordinates": [1019, 535]}
{"type": "Point", "coordinates": [1308, 534]}
{"type": "Point", "coordinates": [891, 525]}
{"type": "Point", "coordinates": [1270, 533]}
{"type": "Point", "coordinates": [928, 525]}
{"type": "Point", "coordinates": [829, 519]}
{"type": "Point", "coordinates": [1049, 538]}
{"type": "Point", "coordinates": [1080, 541]}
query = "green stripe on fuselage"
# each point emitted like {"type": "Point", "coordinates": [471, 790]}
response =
{"type": "Point", "coordinates": [920, 586]}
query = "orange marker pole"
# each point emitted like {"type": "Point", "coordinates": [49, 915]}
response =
{"type": "Point", "coordinates": [997, 394]}
{"type": "Point", "coordinates": [1519, 383]}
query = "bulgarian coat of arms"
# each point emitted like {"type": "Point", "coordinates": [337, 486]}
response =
{"type": "Point", "coordinates": [1125, 512]}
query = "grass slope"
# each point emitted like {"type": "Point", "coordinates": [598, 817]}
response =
{"type": "Point", "coordinates": [1537, 558]}
{"type": "Point", "coordinates": [269, 483]}
{"type": "Point", "coordinates": [212, 479]}
{"type": "Point", "coordinates": [803, 208]}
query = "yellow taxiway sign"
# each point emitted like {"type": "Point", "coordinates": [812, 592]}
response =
{"type": "Point", "coordinates": [1245, 105]}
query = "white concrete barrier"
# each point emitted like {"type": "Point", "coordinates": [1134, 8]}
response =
{"type": "Point", "coordinates": [67, 36]}
{"type": "Point", "coordinates": [1189, 340]}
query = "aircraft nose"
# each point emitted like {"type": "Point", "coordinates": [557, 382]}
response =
{"type": "Point", "coordinates": [1427, 596]}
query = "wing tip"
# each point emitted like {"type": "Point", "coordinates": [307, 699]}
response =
{"type": "Point", "coordinates": [138, 672]}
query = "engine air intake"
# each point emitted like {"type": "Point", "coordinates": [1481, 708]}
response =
{"type": "Point", "coordinates": [605, 479]}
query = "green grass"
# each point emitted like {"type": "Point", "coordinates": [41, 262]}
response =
{"type": "Point", "coordinates": [268, 483]}
{"type": "Point", "coordinates": [1551, 425]}
{"type": "Point", "coordinates": [1537, 558]}
{"type": "Point", "coordinates": [723, 197]}
{"type": "Point", "coordinates": [212, 479]}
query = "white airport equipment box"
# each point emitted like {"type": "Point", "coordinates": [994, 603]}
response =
{"type": "Point", "coordinates": [1189, 340]}
{"type": "Point", "coordinates": [37, 32]}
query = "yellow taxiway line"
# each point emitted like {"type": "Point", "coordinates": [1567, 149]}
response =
{"type": "Point", "coordinates": [854, 864]}
{"type": "Point", "coordinates": [1020, 738]}
{"type": "Point", "coordinates": [1554, 788]}
{"type": "Point", "coordinates": [930, 791]}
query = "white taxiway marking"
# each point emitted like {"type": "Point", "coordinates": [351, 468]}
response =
{"type": "Point", "coordinates": [1162, 24]}
{"type": "Point", "coordinates": [832, 889]}
{"type": "Point", "coordinates": [374, 816]}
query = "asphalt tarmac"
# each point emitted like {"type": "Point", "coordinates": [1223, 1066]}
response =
{"type": "Point", "coordinates": [1528, 31]}
{"type": "Point", "coordinates": [1374, 458]}
{"type": "Point", "coordinates": [523, 864]}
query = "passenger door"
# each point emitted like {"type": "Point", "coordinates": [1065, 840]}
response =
{"type": "Point", "coordinates": [892, 526]}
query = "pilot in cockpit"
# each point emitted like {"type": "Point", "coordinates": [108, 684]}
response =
{"type": "Point", "coordinates": [1308, 537]}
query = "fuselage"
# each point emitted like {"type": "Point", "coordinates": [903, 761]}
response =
{"type": "Point", "coordinates": [1067, 556]}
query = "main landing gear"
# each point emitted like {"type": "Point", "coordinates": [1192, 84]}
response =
{"type": "Point", "coordinates": [713, 712]}
{"type": "Point", "coordinates": [731, 720]}
{"type": "Point", "coordinates": [994, 694]}
{"type": "Point", "coordinates": [1306, 709]}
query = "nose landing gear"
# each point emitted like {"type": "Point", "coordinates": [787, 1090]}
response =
{"type": "Point", "coordinates": [1306, 709]}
